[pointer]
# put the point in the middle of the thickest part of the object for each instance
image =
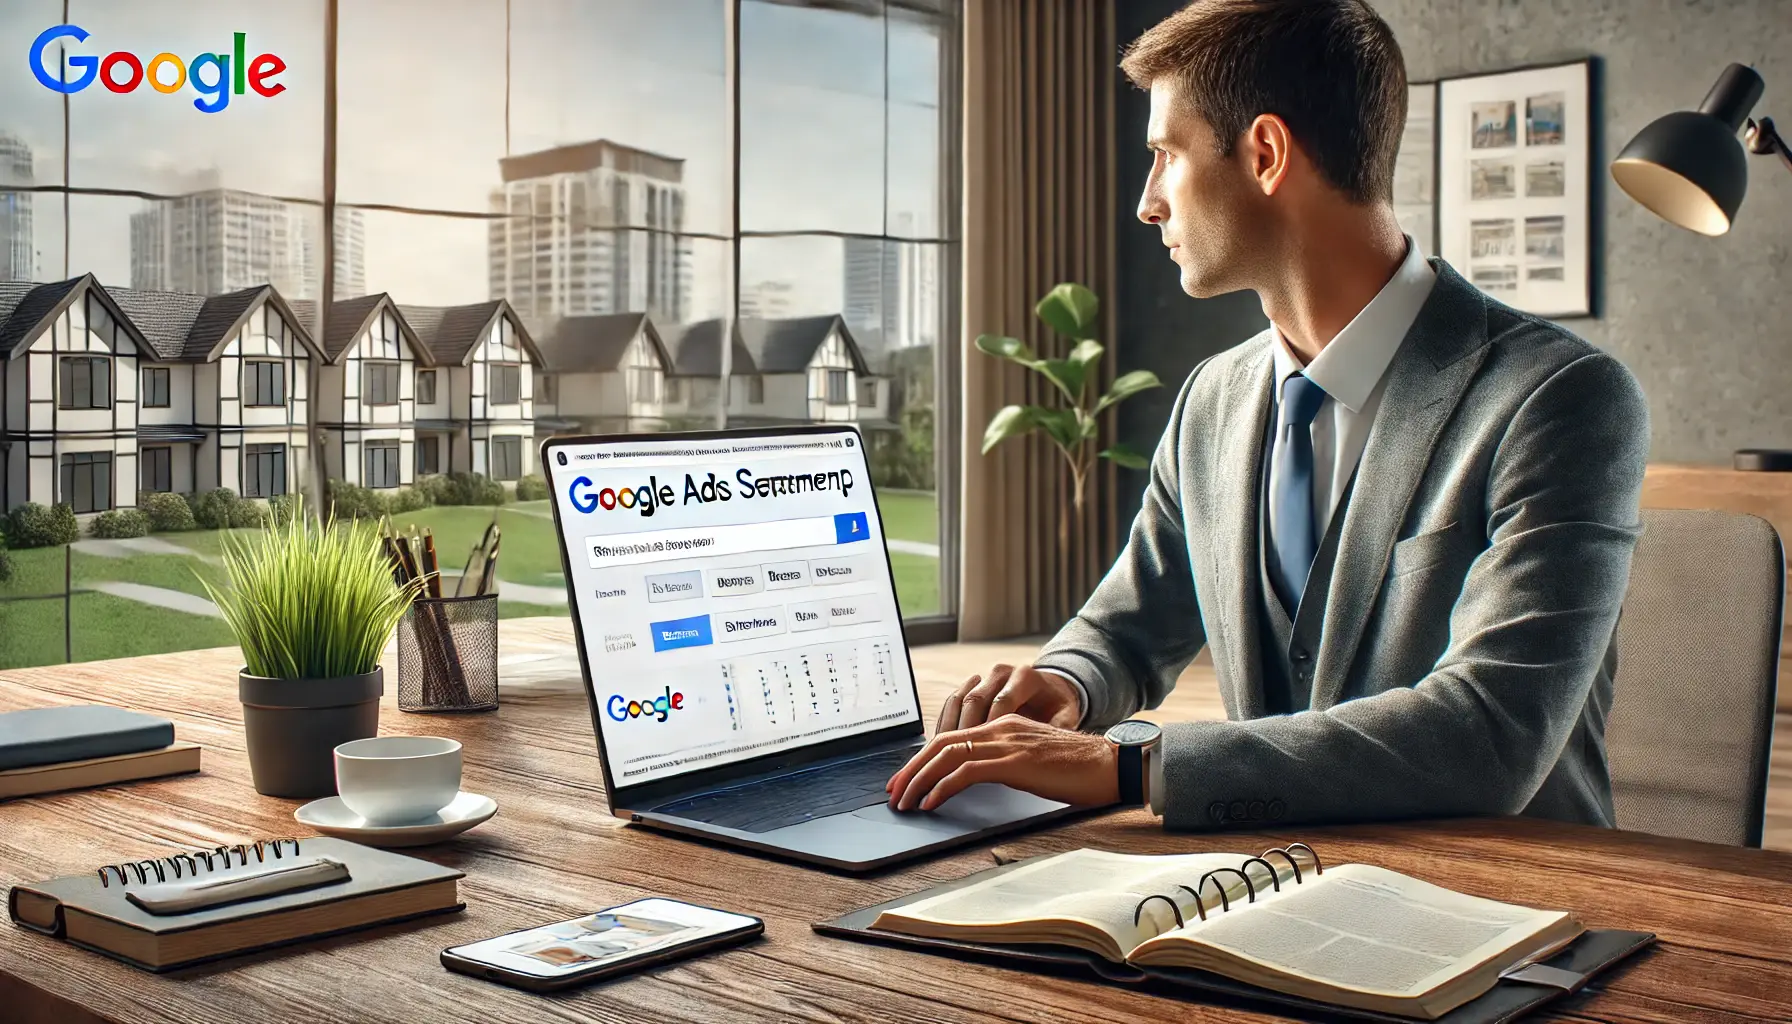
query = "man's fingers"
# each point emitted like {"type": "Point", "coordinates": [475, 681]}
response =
{"type": "Point", "coordinates": [1022, 685]}
{"type": "Point", "coordinates": [973, 705]}
{"type": "Point", "coordinates": [949, 710]}
{"type": "Point", "coordinates": [942, 764]}
{"type": "Point", "coordinates": [899, 781]}
{"type": "Point", "coordinates": [968, 774]}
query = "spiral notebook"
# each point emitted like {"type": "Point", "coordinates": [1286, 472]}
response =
{"type": "Point", "coordinates": [93, 911]}
{"type": "Point", "coordinates": [1347, 940]}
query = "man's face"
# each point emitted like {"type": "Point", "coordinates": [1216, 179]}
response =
{"type": "Point", "coordinates": [1209, 208]}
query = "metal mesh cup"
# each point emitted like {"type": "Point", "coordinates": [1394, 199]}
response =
{"type": "Point", "coordinates": [448, 655]}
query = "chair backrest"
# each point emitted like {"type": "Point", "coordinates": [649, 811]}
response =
{"type": "Point", "coordinates": [1698, 665]}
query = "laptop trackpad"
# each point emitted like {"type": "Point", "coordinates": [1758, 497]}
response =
{"type": "Point", "coordinates": [984, 805]}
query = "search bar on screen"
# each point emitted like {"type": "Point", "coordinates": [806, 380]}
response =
{"type": "Point", "coordinates": [697, 541]}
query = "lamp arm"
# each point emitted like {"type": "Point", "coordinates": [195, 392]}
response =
{"type": "Point", "coordinates": [1763, 138]}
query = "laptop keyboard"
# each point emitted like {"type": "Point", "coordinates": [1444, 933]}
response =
{"type": "Point", "coordinates": [793, 799]}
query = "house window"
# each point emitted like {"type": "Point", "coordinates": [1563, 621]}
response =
{"type": "Point", "coordinates": [382, 465]}
{"type": "Point", "coordinates": [264, 470]}
{"type": "Point", "coordinates": [756, 390]}
{"type": "Point", "coordinates": [156, 467]}
{"type": "Point", "coordinates": [545, 385]}
{"type": "Point", "coordinates": [672, 389]}
{"type": "Point", "coordinates": [380, 384]}
{"type": "Point", "coordinates": [868, 392]}
{"type": "Point", "coordinates": [837, 387]}
{"type": "Point", "coordinates": [155, 387]}
{"type": "Point", "coordinates": [507, 383]}
{"type": "Point", "coordinates": [86, 382]}
{"type": "Point", "coordinates": [87, 480]}
{"type": "Point", "coordinates": [426, 387]}
{"type": "Point", "coordinates": [646, 384]}
{"type": "Point", "coordinates": [264, 382]}
{"type": "Point", "coordinates": [429, 454]}
{"type": "Point", "coordinates": [507, 458]}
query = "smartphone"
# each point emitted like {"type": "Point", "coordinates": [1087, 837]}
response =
{"type": "Point", "coordinates": [607, 944]}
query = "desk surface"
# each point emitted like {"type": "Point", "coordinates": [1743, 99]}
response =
{"type": "Point", "coordinates": [1724, 915]}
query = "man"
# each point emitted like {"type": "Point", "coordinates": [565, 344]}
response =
{"type": "Point", "coordinates": [1401, 518]}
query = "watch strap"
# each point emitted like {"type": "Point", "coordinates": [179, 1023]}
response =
{"type": "Point", "coordinates": [1131, 761]}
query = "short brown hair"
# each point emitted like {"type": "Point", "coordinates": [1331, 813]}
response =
{"type": "Point", "coordinates": [1329, 68]}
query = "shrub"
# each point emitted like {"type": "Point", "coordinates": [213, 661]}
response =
{"type": "Point", "coordinates": [406, 499]}
{"type": "Point", "coordinates": [281, 509]}
{"type": "Point", "coordinates": [476, 489]}
{"type": "Point", "coordinates": [352, 501]}
{"type": "Point", "coordinates": [5, 565]}
{"type": "Point", "coordinates": [436, 489]}
{"type": "Point", "coordinates": [531, 488]}
{"type": "Point", "coordinates": [33, 526]}
{"type": "Point", "coordinates": [245, 513]}
{"type": "Point", "coordinates": [119, 523]}
{"type": "Point", "coordinates": [213, 510]}
{"type": "Point", "coordinates": [168, 513]}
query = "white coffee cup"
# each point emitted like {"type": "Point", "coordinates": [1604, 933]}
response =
{"type": "Point", "coordinates": [391, 780]}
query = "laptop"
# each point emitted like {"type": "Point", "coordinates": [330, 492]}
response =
{"type": "Point", "coordinates": [742, 646]}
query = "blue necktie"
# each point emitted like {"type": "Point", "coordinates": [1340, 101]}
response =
{"type": "Point", "coordinates": [1294, 540]}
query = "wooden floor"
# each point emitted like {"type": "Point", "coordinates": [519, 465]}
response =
{"type": "Point", "coordinates": [539, 652]}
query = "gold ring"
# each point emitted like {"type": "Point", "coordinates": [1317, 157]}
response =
{"type": "Point", "coordinates": [969, 748]}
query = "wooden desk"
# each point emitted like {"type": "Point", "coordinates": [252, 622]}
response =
{"type": "Point", "coordinates": [553, 853]}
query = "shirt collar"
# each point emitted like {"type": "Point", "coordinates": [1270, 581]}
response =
{"type": "Point", "coordinates": [1350, 366]}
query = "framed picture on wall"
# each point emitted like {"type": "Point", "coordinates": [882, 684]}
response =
{"type": "Point", "coordinates": [1415, 169]}
{"type": "Point", "coordinates": [1514, 185]}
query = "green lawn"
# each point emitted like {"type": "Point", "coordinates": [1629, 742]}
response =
{"type": "Point", "coordinates": [31, 632]}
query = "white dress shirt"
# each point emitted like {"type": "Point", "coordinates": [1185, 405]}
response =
{"type": "Point", "coordinates": [1351, 370]}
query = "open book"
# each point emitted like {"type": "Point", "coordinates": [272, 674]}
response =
{"type": "Point", "coordinates": [1349, 935]}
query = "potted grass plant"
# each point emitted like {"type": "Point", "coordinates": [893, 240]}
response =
{"type": "Point", "coordinates": [311, 604]}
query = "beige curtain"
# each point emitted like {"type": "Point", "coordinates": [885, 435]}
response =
{"type": "Point", "coordinates": [1039, 209]}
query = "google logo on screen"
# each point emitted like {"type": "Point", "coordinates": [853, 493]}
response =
{"type": "Point", "coordinates": [214, 76]}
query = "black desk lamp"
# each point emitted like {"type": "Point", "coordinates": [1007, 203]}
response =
{"type": "Point", "coordinates": [1688, 168]}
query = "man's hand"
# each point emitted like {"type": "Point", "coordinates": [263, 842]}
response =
{"type": "Point", "coordinates": [1025, 691]}
{"type": "Point", "coordinates": [1058, 764]}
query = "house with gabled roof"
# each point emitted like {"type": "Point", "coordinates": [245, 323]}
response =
{"type": "Point", "coordinates": [224, 391]}
{"type": "Point", "coordinates": [366, 421]}
{"type": "Point", "coordinates": [475, 408]}
{"type": "Point", "coordinates": [603, 374]}
{"type": "Point", "coordinates": [68, 396]}
{"type": "Point", "coordinates": [795, 370]}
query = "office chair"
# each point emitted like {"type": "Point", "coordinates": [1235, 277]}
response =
{"type": "Point", "coordinates": [1698, 665]}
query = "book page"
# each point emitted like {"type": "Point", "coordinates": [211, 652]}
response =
{"type": "Point", "coordinates": [1093, 887]}
{"type": "Point", "coordinates": [1371, 929]}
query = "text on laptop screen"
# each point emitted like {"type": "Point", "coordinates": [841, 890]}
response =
{"type": "Point", "coordinates": [733, 595]}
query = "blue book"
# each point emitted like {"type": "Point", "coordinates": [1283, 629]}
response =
{"type": "Point", "coordinates": [54, 735]}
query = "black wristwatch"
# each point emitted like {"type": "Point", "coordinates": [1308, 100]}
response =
{"type": "Point", "coordinates": [1136, 742]}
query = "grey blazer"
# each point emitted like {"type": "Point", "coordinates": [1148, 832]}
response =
{"type": "Point", "coordinates": [1465, 659]}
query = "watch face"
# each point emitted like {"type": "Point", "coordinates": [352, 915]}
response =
{"type": "Point", "coordinates": [1133, 734]}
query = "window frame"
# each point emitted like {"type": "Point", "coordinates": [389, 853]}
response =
{"type": "Point", "coordinates": [835, 375]}
{"type": "Point", "coordinates": [146, 463]}
{"type": "Point", "coordinates": [66, 385]}
{"type": "Point", "coordinates": [384, 366]}
{"type": "Point", "coordinates": [368, 450]}
{"type": "Point", "coordinates": [431, 443]}
{"type": "Point", "coordinates": [147, 390]}
{"type": "Point", "coordinates": [252, 453]}
{"type": "Point", "coordinates": [492, 376]}
{"type": "Point", "coordinates": [426, 373]}
{"type": "Point", "coordinates": [756, 389]}
{"type": "Point", "coordinates": [254, 383]}
{"type": "Point", "coordinates": [494, 445]}
{"type": "Point", "coordinates": [69, 484]}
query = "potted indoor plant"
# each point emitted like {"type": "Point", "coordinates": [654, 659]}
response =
{"type": "Point", "coordinates": [312, 604]}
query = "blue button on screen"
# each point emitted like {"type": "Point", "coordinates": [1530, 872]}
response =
{"type": "Point", "coordinates": [675, 633]}
{"type": "Point", "coordinates": [850, 526]}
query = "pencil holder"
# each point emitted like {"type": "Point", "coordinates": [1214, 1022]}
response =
{"type": "Point", "coordinates": [448, 654]}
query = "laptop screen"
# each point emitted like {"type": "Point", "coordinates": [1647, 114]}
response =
{"type": "Point", "coordinates": [734, 597]}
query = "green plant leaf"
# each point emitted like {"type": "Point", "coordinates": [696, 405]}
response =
{"type": "Point", "coordinates": [1063, 426]}
{"type": "Point", "coordinates": [1070, 309]}
{"type": "Point", "coordinates": [1125, 455]}
{"type": "Point", "coordinates": [1128, 385]}
{"type": "Point", "coordinates": [1007, 348]}
{"type": "Point", "coordinates": [1011, 421]}
{"type": "Point", "coordinates": [1087, 425]}
{"type": "Point", "coordinates": [1086, 352]}
{"type": "Point", "coordinates": [1067, 374]}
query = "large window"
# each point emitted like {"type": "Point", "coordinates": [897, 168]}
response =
{"type": "Point", "coordinates": [264, 470]}
{"type": "Point", "coordinates": [86, 382]}
{"type": "Point", "coordinates": [426, 387]}
{"type": "Point", "coordinates": [156, 468]}
{"type": "Point", "coordinates": [837, 387]}
{"type": "Point", "coordinates": [507, 458]}
{"type": "Point", "coordinates": [155, 387]}
{"type": "Point", "coordinates": [87, 481]}
{"type": "Point", "coordinates": [506, 383]}
{"type": "Point", "coordinates": [429, 454]}
{"type": "Point", "coordinates": [382, 465]}
{"type": "Point", "coordinates": [380, 383]}
{"type": "Point", "coordinates": [264, 382]}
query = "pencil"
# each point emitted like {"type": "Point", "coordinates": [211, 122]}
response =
{"type": "Point", "coordinates": [430, 566]}
{"type": "Point", "coordinates": [487, 576]}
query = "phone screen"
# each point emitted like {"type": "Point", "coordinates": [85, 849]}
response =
{"type": "Point", "coordinates": [603, 939]}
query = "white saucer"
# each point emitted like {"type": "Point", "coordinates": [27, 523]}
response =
{"type": "Point", "coordinates": [333, 818]}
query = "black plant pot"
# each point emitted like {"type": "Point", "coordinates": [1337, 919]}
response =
{"type": "Point", "coordinates": [293, 726]}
